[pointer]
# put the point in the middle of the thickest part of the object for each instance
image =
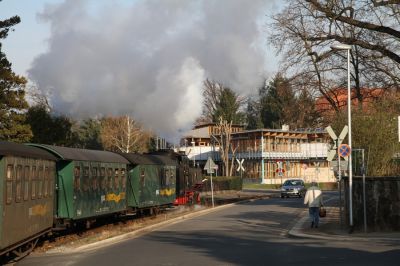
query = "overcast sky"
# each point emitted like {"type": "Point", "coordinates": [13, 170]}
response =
{"type": "Point", "coordinates": [147, 59]}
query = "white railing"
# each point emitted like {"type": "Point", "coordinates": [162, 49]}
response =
{"type": "Point", "coordinates": [200, 153]}
{"type": "Point", "coordinates": [307, 150]}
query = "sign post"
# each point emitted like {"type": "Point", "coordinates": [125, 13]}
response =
{"type": "Point", "coordinates": [280, 170]}
{"type": "Point", "coordinates": [240, 167]}
{"type": "Point", "coordinates": [209, 167]}
{"type": "Point", "coordinates": [337, 141]}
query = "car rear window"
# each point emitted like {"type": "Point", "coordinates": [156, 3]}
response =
{"type": "Point", "coordinates": [293, 183]}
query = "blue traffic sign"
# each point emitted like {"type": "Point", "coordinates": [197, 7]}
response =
{"type": "Point", "coordinates": [344, 150]}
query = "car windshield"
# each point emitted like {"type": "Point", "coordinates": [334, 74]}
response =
{"type": "Point", "coordinates": [293, 183]}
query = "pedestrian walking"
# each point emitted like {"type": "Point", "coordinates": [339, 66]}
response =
{"type": "Point", "coordinates": [314, 200]}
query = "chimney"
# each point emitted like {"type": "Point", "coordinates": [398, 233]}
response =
{"type": "Point", "coordinates": [285, 127]}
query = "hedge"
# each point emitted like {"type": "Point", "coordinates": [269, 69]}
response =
{"type": "Point", "coordinates": [223, 183]}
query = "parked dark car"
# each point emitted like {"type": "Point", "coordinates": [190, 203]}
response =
{"type": "Point", "coordinates": [293, 187]}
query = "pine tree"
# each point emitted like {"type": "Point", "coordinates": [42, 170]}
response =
{"type": "Point", "coordinates": [12, 95]}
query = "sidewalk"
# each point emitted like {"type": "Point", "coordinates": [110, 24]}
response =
{"type": "Point", "coordinates": [330, 229]}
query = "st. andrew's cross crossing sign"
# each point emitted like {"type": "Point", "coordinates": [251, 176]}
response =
{"type": "Point", "coordinates": [336, 141]}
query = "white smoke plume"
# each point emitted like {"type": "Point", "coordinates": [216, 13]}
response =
{"type": "Point", "coordinates": [148, 59]}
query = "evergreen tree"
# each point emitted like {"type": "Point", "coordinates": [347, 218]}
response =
{"type": "Point", "coordinates": [271, 105]}
{"type": "Point", "coordinates": [88, 134]}
{"type": "Point", "coordinates": [50, 129]}
{"type": "Point", "coordinates": [228, 106]}
{"type": "Point", "coordinates": [253, 115]}
{"type": "Point", "coordinates": [13, 105]}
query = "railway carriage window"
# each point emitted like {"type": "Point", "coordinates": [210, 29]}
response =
{"type": "Point", "coordinates": [170, 177]}
{"type": "Point", "coordinates": [27, 180]}
{"type": "Point", "coordinates": [109, 178]}
{"type": "Point", "coordinates": [40, 182]}
{"type": "Point", "coordinates": [77, 178]}
{"type": "Point", "coordinates": [86, 184]}
{"type": "Point", "coordinates": [46, 182]}
{"type": "Point", "coordinates": [18, 184]}
{"type": "Point", "coordinates": [164, 178]}
{"type": "Point", "coordinates": [33, 186]}
{"type": "Point", "coordinates": [10, 177]}
{"type": "Point", "coordinates": [116, 179]}
{"type": "Point", "coordinates": [51, 181]}
{"type": "Point", "coordinates": [94, 179]}
{"type": "Point", "coordinates": [123, 178]}
{"type": "Point", "coordinates": [103, 180]}
{"type": "Point", "coordinates": [142, 174]}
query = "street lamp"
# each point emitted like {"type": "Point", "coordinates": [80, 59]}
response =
{"type": "Point", "coordinates": [348, 48]}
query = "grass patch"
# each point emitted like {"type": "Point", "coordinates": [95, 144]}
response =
{"type": "Point", "coordinates": [261, 186]}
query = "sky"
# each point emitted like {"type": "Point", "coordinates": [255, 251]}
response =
{"type": "Point", "coordinates": [147, 59]}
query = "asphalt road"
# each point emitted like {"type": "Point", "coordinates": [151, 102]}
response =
{"type": "Point", "coordinates": [252, 233]}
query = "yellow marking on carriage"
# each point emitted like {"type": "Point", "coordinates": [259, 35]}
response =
{"type": "Point", "coordinates": [115, 197]}
{"type": "Point", "coordinates": [167, 192]}
{"type": "Point", "coordinates": [38, 210]}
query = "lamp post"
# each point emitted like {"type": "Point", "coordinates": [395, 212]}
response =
{"type": "Point", "coordinates": [194, 156]}
{"type": "Point", "coordinates": [348, 48]}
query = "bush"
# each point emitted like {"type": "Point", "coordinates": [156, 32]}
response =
{"type": "Point", "coordinates": [223, 183]}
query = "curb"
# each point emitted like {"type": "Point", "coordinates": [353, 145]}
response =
{"type": "Point", "coordinates": [297, 231]}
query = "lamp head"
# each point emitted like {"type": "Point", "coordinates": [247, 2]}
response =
{"type": "Point", "coordinates": [341, 46]}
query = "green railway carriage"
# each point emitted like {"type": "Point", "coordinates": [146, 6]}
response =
{"type": "Point", "coordinates": [90, 183]}
{"type": "Point", "coordinates": [27, 178]}
{"type": "Point", "coordinates": [151, 181]}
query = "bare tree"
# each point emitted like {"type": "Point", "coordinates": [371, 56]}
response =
{"type": "Point", "coordinates": [304, 31]}
{"type": "Point", "coordinates": [123, 134]}
{"type": "Point", "coordinates": [225, 146]}
{"type": "Point", "coordinates": [220, 100]}
{"type": "Point", "coordinates": [381, 21]}
{"type": "Point", "coordinates": [211, 94]}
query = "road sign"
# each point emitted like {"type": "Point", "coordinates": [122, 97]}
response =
{"type": "Point", "coordinates": [331, 155]}
{"type": "Point", "coordinates": [331, 133]}
{"type": "Point", "coordinates": [240, 167]}
{"type": "Point", "coordinates": [210, 166]}
{"type": "Point", "coordinates": [336, 141]}
{"type": "Point", "coordinates": [343, 165]}
{"type": "Point", "coordinates": [344, 150]}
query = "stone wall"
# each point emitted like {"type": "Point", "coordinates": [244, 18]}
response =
{"type": "Point", "coordinates": [382, 203]}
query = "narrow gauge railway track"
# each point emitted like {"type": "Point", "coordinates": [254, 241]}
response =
{"type": "Point", "coordinates": [106, 228]}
